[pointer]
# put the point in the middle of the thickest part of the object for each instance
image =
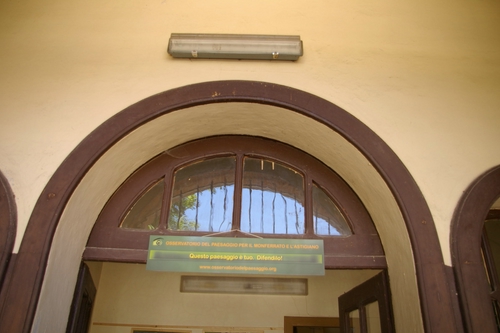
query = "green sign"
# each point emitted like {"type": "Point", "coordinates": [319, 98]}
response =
{"type": "Point", "coordinates": [236, 255]}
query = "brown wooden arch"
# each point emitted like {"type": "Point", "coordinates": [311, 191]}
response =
{"type": "Point", "coordinates": [436, 299]}
{"type": "Point", "coordinates": [109, 242]}
{"type": "Point", "coordinates": [8, 225]}
{"type": "Point", "coordinates": [466, 231]}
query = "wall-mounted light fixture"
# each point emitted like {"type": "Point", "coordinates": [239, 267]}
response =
{"type": "Point", "coordinates": [226, 46]}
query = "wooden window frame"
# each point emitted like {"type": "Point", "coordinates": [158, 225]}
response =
{"type": "Point", "coordinates": [362, 249]}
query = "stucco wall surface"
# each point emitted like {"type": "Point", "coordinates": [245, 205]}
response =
{"type": "Point", "coordinates": [423, 75]}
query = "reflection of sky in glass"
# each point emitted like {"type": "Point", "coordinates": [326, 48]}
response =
{"type": "Point", "coordinates": [272, 198]}
{"type": "Point", "coordinates": [327, 218]}
{"type": "Point", "coordinates": [271, 213]}
{"type": "Point", "coordinates": [203, 194]}
{"type": "Point", "coordinates": [214, 211]}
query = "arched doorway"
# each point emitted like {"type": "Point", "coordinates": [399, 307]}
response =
{"type": "Point", "coordinates": [473, 283]}
{"type": "Point", "coordinates": [230, 190]}
{"type": "Point", "coordinates": [88, 177]}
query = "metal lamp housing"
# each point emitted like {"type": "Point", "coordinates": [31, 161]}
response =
{"type": "Point", "coordinates": [228, 46]}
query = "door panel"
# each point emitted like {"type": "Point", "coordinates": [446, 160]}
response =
{"type": "Point", "coordinates": [367, 307]}
{"type": "Point", "coordinates": [83, 300]}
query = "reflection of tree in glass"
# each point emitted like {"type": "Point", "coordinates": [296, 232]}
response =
{"type": "Point", "coordinates": [177, 219]}
{"type": "Point", "coordinates": [203, 194]}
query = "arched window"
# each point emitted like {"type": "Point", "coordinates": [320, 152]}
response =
{"type": "Point", "coordinates": [235, 186]}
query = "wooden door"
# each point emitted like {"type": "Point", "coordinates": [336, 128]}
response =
{"type": "Point", "coordinates": [83, 300]}
{"type": "Point", "coordinates": [367, 307]}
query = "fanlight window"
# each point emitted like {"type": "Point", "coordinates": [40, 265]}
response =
{"type": "Point", "coordinates": [236, 186]}
{"type": "Point", "coordinates": [272, 200]}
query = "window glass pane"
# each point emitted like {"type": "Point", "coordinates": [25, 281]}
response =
{"type": "Point", "coordinates": [327, 218]}
{"type": "Point", "coordinates": [202, 197]}
{"type": "Point", "coordinates": [373, 318]}
{"type": "Point", "coordinates": [272, 198]}
{"type": "Point", "coordinates": [145, 213]}
{"type": "Point", "coordinates": [354, 322]}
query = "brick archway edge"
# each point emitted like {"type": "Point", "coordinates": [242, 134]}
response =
{"type": "Point", "coordinates": [19, 298]}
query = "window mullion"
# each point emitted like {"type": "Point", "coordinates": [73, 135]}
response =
{"type": "Point", "coordinates": [308, 205]}
{"type": "Point", "coordinates": [238, 181]}
{"type": "Point", "coordinates": [167, 196]}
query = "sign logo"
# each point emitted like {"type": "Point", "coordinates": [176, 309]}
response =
{"type": "Point", "coordinates": [157, 242]}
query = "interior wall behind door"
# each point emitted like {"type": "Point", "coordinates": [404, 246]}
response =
{"type": "Point", "coordinates": [129, 296]}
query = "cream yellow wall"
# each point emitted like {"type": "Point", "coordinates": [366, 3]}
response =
{"type": "Point", "coordinates": [130, 296]}
{"type": "Point", "coordinates": [423, 75]}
